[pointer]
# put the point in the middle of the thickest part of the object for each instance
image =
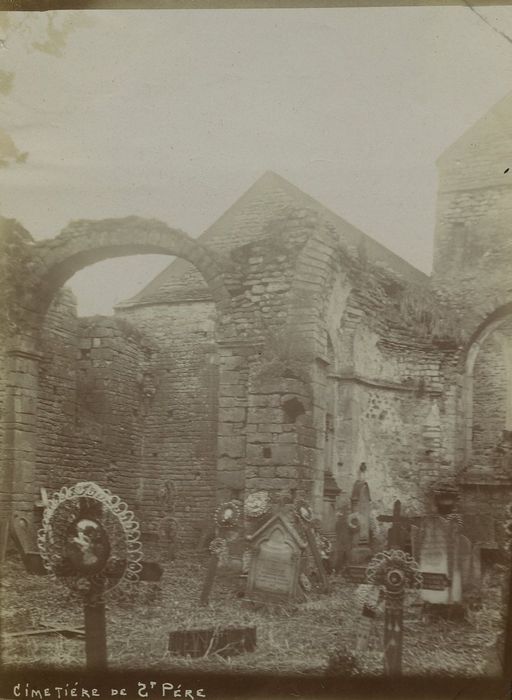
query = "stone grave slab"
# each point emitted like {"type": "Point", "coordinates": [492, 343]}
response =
{"type": "Point", "coordinates": [274, 569]}
{"type": "Point", "coordinates": [431, 546]}
{"type": "Point", "coordinates": [462, 567]}
{"type": "Point", "coordinates": [25, 539]}
{"type": "Point", "coordinates": [342, 542]}
{"type": "Point", "coordinates": [360, 503]}
{"type": "Point", "coordinates": [368, 599]}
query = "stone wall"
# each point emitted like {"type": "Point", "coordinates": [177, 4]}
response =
{"type": "Point", "coordinates": [489, 402]}
{"type": "Point", "coordinates": [178, 418]}
{"type": "Point", "coordinates": [90, 404]}
{"type": "Point", "coordinates": [395, 383]}
{"type": "Point", "coordinates": [472, 254]}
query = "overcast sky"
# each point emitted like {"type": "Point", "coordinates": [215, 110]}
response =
{"type": "Point", "coordinates": [174, 114]}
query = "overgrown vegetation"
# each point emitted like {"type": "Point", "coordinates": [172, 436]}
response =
{"type": "Point", "coordinates": [315, 638]}
{"type": "Point", "coordinates": [429, 317]}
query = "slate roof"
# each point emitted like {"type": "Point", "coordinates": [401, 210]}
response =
{"type": "Point", "coordinates": [245, 222]}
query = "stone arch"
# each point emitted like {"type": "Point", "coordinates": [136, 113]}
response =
{"type": "Point", "coordinates": [480, 334]}
{"type": "Point", "coordinates": [52, 263]}
{"type": "Point", "coordinates": [86, 242]}
{"type": "Point", "coordinates": [313, 319]}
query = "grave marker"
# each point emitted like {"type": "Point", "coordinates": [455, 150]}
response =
{"type": "Point", "coordinates": [396, 571]}
{"type": "Point", "coordinates": [218, 552]}
{"type": "Point", "coordinates": [398, 534]}
{"type": "Point", "coordinates": [360, 517]}
{"type": "Point", "coordinates": [227, 519]}
{"type": "Point", "coordinates": [371, 597]}
{"type": "Point", "coordinates": [461, 566]}
{"type": "Point", "coordinates": [25, 539]}
{"type": "Point", "coordinates": [274, 568]}
{"type": "Point", "coordinates": [441, 547]}
{"type": "Point", "coordinates": [432, 548]}
{"type": "Point", "coordinates": [90, 540]}
{"type": "Point", "coordinates": [342, 540]}
{"type": "Point", "coordinates": [304, 513]}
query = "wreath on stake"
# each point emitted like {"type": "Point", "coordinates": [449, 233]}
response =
{"type": "Point", "coordinates": [304, 511]}
{"type": "Point", "coordinates": [257, 504]}
{"type": "Point", "coordinates": [219, 547]}
{"type": "Point", "coordinates": [353, 521]}
{"type": "Point", "coordinates": [305, 583]}
{"type": "Point", "coordinates": [227, 514]}
{"type": "Point", "coordinates": [324, 545]}
{"type": "Point", "coordinates": [90, 541]}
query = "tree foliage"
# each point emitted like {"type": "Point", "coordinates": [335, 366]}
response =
{"type": "Point", "coordinates": [39, 32]}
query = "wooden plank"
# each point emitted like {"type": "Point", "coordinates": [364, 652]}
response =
{"type": "Point", "coordinates": [95, 635]}
{"type": "Point", "coordinates": [209, 579]}
{"type": "Point", "coordinates": [151, 571]}
{"type": "Point", "coordinates": [4, 537]}
{"type": "Point", "coordinates": [48, 630]}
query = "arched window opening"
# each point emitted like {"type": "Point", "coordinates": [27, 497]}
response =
{"type": "Point", "coordinates": [488, 398]}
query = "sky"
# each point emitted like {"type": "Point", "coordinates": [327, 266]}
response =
{"type": "Point", "coordinates": [174, 114]}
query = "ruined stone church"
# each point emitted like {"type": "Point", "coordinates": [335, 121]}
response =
{"type": "Point", "coordinates": [280, 351]}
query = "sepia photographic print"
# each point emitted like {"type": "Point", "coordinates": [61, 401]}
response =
{"type": "Point", "coordinates": [256, 351]}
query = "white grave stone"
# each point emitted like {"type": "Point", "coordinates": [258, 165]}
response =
{"type": "Point", "coordinates": [431, 545]}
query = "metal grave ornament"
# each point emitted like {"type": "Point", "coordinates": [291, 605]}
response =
{"type": "Point", "coordinates": [395, 572]}
{"type": "Point", "coordinates": [90, 541]}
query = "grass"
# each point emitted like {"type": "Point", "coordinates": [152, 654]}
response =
{"type": "Point", "coordinates": [298, 641]}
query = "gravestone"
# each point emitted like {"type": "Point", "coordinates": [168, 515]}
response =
{"type": "Point", "coordinates": [274, 569]}
{"type": "Point", "coordinates": [331, 492]}
{"type": "Point", "coordinates": [369, 598]}
{"type": "Point", "coordinates": [461, 570]}
{"type": "Point", "coordinates": [441, 547]}
{"type": "Point", "coordinates": [26, 542]}
{"type": "Point", "coordinates": [91, 541]}
{"type": "Point", "coordinates": [432, 548]}
{"type": "Point", "coordinates": [360, 520]}
{"type": "Point", "coordinates": [343, 541]}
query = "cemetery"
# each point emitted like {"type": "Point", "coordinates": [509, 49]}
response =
{"type": "Point", "coordinates": [266, 595]}
{"type": "Point", "coordinates": [290, 453]}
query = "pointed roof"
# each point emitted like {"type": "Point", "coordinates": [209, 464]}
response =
{"type": "Point", "coordinates": [481, 155]}
{"type": "Point", "coordinates": [278, 519]}
{"type": "Point", "coordinates": [247, 221]}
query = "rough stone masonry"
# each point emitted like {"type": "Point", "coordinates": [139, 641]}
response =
{"type": "Point", "coordinates": [279, 351]}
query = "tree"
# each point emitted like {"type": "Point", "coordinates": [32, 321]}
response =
{"type": "Point", "coordinates": [47, 33]}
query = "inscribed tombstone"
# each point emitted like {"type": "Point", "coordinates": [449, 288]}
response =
{"type": "Point", "coordinates": [431, 544]}
{"type": "Point", "coordinates": [274, 568]}
{"type": "Point", "coordinates": [360, 503]}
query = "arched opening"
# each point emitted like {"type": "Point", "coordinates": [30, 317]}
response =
{"type": "Point", "coordinates": [487, 395]}
{"type": "Point", "coordinates": [130, 399]}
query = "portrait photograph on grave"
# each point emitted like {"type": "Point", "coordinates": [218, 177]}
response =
{"type": "Point", "coordinates": [256, 350]}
